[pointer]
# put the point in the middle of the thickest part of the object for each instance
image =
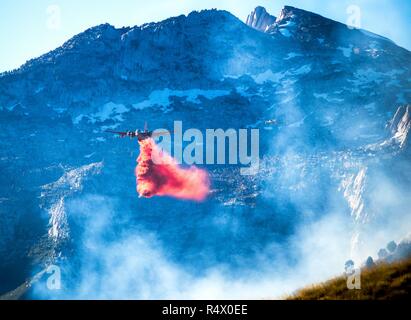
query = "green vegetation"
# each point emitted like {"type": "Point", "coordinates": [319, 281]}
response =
{"type": "Point", "coordinates": [382, 281]}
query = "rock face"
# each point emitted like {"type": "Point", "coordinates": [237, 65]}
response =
{"type": "Point", "coordinates": [319, 93]}
{"type": "Point", "coordinates": [260, 19]}
{"type": "Point", "coordinates": [306, 26]}
{"type": "Point", "coordinates": [401, 124]}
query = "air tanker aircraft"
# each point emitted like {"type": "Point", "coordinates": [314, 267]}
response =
{"type": "Point", "coordinates": [140, 134]}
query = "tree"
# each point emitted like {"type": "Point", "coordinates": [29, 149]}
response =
{"type": "Point", "coordinates": [382, 254]}
{"type": "Point", "coordinates": [369, 263]}
{"type": "Point", "coordinates": [391, 246]}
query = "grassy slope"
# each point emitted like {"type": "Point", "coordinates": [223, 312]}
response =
{"type": "Point", "coordinates": [384, 281]}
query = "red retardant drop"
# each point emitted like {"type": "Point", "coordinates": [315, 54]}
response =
{"type": "Point", "coordinates": [166, 177]}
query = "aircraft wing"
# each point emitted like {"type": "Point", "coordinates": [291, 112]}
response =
{"type": "Point", "coordinates": [122, 134]}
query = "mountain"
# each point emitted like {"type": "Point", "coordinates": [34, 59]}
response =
{"type": "Point", "coordinates": [330, 103]}
{"type": "Point", "coordinates": [260, 19]}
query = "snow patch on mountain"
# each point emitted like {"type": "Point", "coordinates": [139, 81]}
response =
{"type": "Point", "coordinates": [347, 51]}
{"type": "Point", "coordinates": [161, 98]}
{"type": "Point", "coordinates": [108, 111]}
{"type": "Point", "coordinates": [58, 221]}
{"type": "Point", "coordinates": [300, 71]}
{"type": "Point", "coordinates": [366, 76]}
{"type": "Point", "coordinates": [327, 97]}
{"type": "Point", "coordinates": [292, 55]}
{"type": "Point", "coordinates": [270, 76]}
{"type": "Point", "coordinates": [53, 197]}
{"type": "Point", "coordinates": [286, 33]}
{"type": "Point", "coordinates": [353, 189]}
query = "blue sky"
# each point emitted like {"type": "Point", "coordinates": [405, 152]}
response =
{"type": "Point", "coordinates": [29, 28]}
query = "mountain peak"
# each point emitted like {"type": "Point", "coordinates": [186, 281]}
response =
{"type": "Point", "coordinates": [260, 19]}
{"type": "Point", "coordinates": [307, 26]}
{"type": "Point", "coordinates": [292, 13]}
{"type": "Point", "coordinates": [200, 18]}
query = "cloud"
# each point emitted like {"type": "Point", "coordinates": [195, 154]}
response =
{"type": "Point", "coordinates": [134, 265]}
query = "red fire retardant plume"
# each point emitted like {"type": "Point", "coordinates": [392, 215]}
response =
{"type": "Point", "coordinates": [167, 178]}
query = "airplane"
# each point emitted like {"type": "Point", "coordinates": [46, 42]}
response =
{"type": "Point", "coordinates": [140, 134]}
